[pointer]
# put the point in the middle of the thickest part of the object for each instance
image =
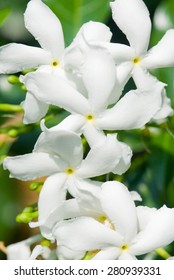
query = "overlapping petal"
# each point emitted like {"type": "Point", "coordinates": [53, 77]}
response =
{"type": "Point", "coordinates": [99, 77]}
{"type": "Point", "coordinates": [117, 195]}
{"type": "Point", "coordinates": [120, 53]}
{"type": "Point", "coordinates": [45, 27]}
{"type": "Point", "coordinates": [65, 210]}
{"type": "Point", "coordinates": [89, 32]}
{"type": "Point", "coordinates": [132, 17]}
{"type": "Point", "coordinates": [166, 108]}
{"type": "Point", "coordinates": [65, 144]}
{"type": "Point", "coordinates": [145, 81]}
{"type": "Point", "coordinates": [125, 160]}
{"type": "Point", "coordinates": [144, 214]}
{"type": "Point", "coordinates": [111, 253]}
{"type": "Point", "coordinates": [130, 111]}
{"type": "Point", "coordinates": [54, 191]}
{"type": "Point", "coordinates": [34, 109]}
{"type": "Point", "coordinates": [149, 238]}
{"type": "Point", "coordinates": [57, 91]}
{"type": "Point", "coordinates": [86, 234]}
{"type": "Point", "coordinates": [64, 253]}
{"type": "Point", "coordinates": [101, 159]}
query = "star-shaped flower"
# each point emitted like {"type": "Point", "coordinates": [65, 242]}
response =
{"type": "Point", "coordinates": [132, 17]}
{"type": "Point", "coordinates": [118, 235]}
{"type": "Point", "coordinates": [43, 24]}
{"type": "Point", "coordinates": [59, 156]}
{"type": "Point", "coordinates": [89, 108]}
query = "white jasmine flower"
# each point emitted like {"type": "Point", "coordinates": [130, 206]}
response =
{"type": "Point", "coordinates": [47, 30]}
{"type": "Point", "coordinates": [59, 156]}
{"type": "Point", "coordinates": [132, 17]}
{"type": "Point", "coordinates": [89, 110]}
{"type": "Point", "coordinates": [42, 23]}
{"type": "Point", "coordinates": [118, 235]}
{"type": "Point", "coordinates": [87, 204]}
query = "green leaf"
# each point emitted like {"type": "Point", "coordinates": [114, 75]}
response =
{"type": "Point", "coordinates": [4, 13]}
{"type": "Point", "coordinates": [73, 13]}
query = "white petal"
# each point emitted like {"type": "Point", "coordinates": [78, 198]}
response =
{"type": "Point", "coordinates": [87, 194]}
{"type": "Point", "coordinates": [111, 253]}
{"type": "Point", "coordinates": [32, 166]}
{"type": "Point", "coordinates": [158, 232]}
{"type": "Point", "coordinates": [136, 196]}
{"type": "Point", "coordinates": [85, 234]}
{"type": "Point", "coordinates": [127, 256]}
{"type": "Point", "coordinates": [64, 253]}
{"type": "Point", "coordinates": [56, 91]}
{"type": "Point", "coordinates": [92, 32]}
{"type": "Point", "coordinates": [18, 251]}
{"type": "Point", "coordinates": [93, 135]}
{"type": "Point", "coordinates": [45, 27]}
{"type": "Point", "coordinates": [166, 108]}
{"type": "Point", "coordinates": [99, 77]}
{"type": "Point", "coordinates": [144, 80]}
{"type": "Point", "coordinates": [120, 52]}
{"type": "Point", "coordinates": [38, 250]}
{"type": "Point", "coordinates": [53, 193]}
{"type": "Point", "coordinates": [63, 143]}
{"type": "Point", "coordinates": [124, 72]}
{"type": "Point", "coordinates": [131, 110]}
{"type": "Point", "coordinates": [125, 160]}
{"type": "Point", "coordinates": [144, 214]}
{"type": "Point", "coordinates": [65, 210]}
{"type": "Point", "coordinates": [17, 57]}
{"type": "Point", "coordinates": [34, 109]}
{"type": "Point", "coordinates": [71, 123]}
{"type": "Point", "coordinates": [117, 195]}
{"type": "Point", "coordinates": [101, 159]}
{"type": "Point", "coordinates": [132, 17]}
{"type": "Point", "coordinates": [162, 54]}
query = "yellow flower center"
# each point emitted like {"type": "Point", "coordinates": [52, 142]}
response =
{"type": "Point", "coordinates": [90, 117]}
{"type": "Point", "coordinates": [104, 220]}
{"type": "Point", "coordinates": [55, 63]}
{"type": "Point", "coordinates": [136, 60]}
{"type": "Point", "coordinates": [124, 247]}
{"type": "Point", "coordinates": [69, 171]}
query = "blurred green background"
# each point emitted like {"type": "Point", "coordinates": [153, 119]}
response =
{"type": "Point", "coordinates": [152, 169]}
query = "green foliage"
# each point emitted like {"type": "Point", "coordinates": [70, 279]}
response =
{"type": "Point", "coordinates": [4, 14]}
{"type": "Point", "coordinates": [73, 13]}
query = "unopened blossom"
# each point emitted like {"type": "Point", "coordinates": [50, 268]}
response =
{"type": "Point", "coordinates": [43, 24]}
{"type": "Point", "coordinates": [89, 107]}
{"type": "Point", "coordinates": [118, 235]}
{"type": "Point", "coordinates": [59, 156]}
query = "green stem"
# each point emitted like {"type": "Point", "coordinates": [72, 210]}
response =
{"type": "Point", "coordinates": [10, 108]}
{"type": "Point", "coordinates": [163, 253]}
{"type": "Point", "coordinates": [77, 18]}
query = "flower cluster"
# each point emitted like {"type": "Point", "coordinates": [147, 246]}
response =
{"type": "Point", "coordinates": [99, 220]}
